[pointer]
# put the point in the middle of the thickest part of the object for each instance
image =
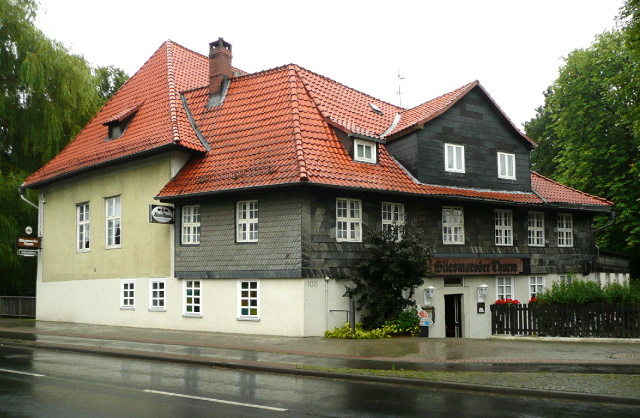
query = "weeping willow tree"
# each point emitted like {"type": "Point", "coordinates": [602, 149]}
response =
{"type": "Point", "coordinates": [46, 95]}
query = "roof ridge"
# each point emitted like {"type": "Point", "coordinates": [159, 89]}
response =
{"type": "Point", "coordinates": [350, 88]}
{"type": "Point", "coordinates": [297, 131]}
{"type": "Point", "coordinates": [173, 108]}
{"type": "Point", "coordinates": [571, 188]}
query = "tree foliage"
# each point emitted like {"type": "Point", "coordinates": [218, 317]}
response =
{"type": "Point", "coordinates": [572, 291]}
{"type": "Point", "coordinates": [384, 281]}
{"type": "Point", "coordinates": [588, 132]}
{"type": "Point", "coordinates": [46, 95]}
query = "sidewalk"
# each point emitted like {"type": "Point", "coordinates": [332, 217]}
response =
{"type": "Point", "coordinates": [606, 370]}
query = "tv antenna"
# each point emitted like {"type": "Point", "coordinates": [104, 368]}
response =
{"type": "Point", "coordinates": [400, 78]}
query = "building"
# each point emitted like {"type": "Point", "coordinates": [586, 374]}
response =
{"type": "Point", "coordinates": [272, 177]}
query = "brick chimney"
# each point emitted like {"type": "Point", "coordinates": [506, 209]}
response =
{"type": "Point", "coordinates": [219, 65]}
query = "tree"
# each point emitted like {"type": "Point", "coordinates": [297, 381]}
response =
{"type": "Point", "coordinates": [110, 79]}
{"type": "Point", "coordinates": [46, 95]}
{"type": "Point", "coordinates": [386, 278]}
{"type": "Point", "coordinates": [587, 133]}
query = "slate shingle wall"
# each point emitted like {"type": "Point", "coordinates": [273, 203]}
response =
{"type": "Point", "coordinates": [298, 236]}
{"type": "Point", "coordinates": [219, 255]}
{"type": "Point", "coordinates": [474, 123]}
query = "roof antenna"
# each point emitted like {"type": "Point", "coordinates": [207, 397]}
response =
{"type": "Point", "coordinates": [399, 92]}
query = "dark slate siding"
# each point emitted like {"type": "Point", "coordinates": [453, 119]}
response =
{"type": "Point", "coordinates": [298, 236]}
{"type": "Point", "coordinates": [276, 254]}
{"type": "Point", "coordinates": [323, 255]}
{"type": "Point", "coordinates": [475, 123]}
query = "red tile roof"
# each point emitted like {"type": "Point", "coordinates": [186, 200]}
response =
{"type": "Point", "coordinates": [160, 120]}
{"type": "Point", "coordinates": [274, 127]}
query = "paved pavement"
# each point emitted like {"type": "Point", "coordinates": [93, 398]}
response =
{"type": "Point", "coordinates": [583, 369]}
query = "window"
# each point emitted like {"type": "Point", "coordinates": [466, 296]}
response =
{"type": "Point", "coordinates": [454, 158]}
{"type": "Point", "coordinates": [128, 292]}
{"type": "Point", "coordinates": [504, 288]}
{"type": "Point", "coordinates": [536, 229]}
{"type": "Point", "coordinates": [506, 166]}
{"type": "Point", "coordinates": [349, 220]}
{"type": "Point", "coordinates": [83, 230]}
{"type": "Point", "coordinates": [504, 227]}
{"type": "Point", "coordinates": [536, 284]}
{"type": "Point", "coordinates": [393, 215]}
{"type": "Point", "coordinates": [364, 151]}
{"type": "Point", "coordinates": [565, 230]}
{"type": "Point", "coordinates": [452, 225]}
{"type": "Point", "coordinates": [191, 224]}
{"type": "Point", "coordinates": [247, 221]}
{"type": "Point", "coordinates": [192, 298]}
{"type": "Point", "coordinates": [113, 222]}
{"type": "Point", "coordinates": [249, 299]}
{"type": "Point", "coordinates": [157, 296]}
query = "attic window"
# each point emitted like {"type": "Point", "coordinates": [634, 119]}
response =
{"type": "Point", "coordinates": [364, 151]}
{"type": "Point", "coordinates": [118, 124]}
{"type": "Point", "coordinates": [375, 109]}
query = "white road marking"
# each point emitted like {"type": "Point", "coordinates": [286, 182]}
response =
{"type": "Point", "coordinates": [25, 373]}
{"type": "Point", "coordinates": [199, 398]}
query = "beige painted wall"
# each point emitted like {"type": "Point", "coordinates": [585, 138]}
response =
{"type": "Point", "coordinates": [146, 247]}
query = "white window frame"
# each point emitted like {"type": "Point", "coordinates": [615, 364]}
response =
{"type": "Point", "coordinates": [393, 215]}
{"type": "Point", "coordinates": [536, 285]}
{"type": "Point", "coordinates": [348, 220]}
{"type": "Point", "coordinates": [454, 158]}
{"type": "Point", "coordinates": [83, 227]}
{"type": "Point", "coordinates": [504, 287]}
{"type": "Point", "coordinates": [113, 222]}
{"type": "Point", "coordinates": [506, 165]}
{"type": "Point", "coordinates": [192, 298]}
{"type": "Point", "coordinates": [565, 230]}
{"type": "Point", "coordinates": [247, 221]}
{"type": "Point", "coordinates": [248, 300]}
{"type": "Point", "coordinates": [191, 225]}
{"type": "Point", "coordinates": [360, 148]}
{"type": "Point", "coordinates": [452, 225]}
{"type": "Point", "coordinates": [157, 294]}
{"type": "Point", "coordinates": [503, 227]}
{"type": "Point", "coordinates": [535, 230]}
{"type": "Point", "coordinates": [128, 294]}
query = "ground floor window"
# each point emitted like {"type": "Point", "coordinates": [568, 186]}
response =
{"type": "Point", "coordinates": [157, 295]}
{"type": "Point", "coordinates": [505, 287]}
{"type": "Point", "coordinates": [192, 298]}
{"type": "Point", "coordinates": [536, 284]}
{"type": "Point", "coordinates": [249, 299]}
{"type": "Point", "coordinates": [128, 294]}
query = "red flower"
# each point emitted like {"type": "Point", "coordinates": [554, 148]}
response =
{"type": "Point", "coordinates": [533, 300]}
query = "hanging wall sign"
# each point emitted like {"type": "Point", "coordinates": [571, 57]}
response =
{"type": "Point", "coordinates": [160, 214]}
{"type": "Point", "coordinates": [28, 242]}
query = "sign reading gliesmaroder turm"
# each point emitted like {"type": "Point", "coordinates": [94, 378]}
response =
{"type": "Point", "coordinates": [476, 266]}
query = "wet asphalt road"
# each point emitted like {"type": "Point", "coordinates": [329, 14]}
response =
{"type": "Point", "coordinates": [47, 383]}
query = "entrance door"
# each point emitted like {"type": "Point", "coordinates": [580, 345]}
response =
{"type": "Point", "coordinates": [453, 315]}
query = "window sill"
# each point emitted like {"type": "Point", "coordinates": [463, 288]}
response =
{"type": "Point", "coordinates": [192, 315]}
{"type": "Point", "coordinates": [127, 308]}
{"type": "Point", "coordinates": [157, 310]}
{"type": "Point", "coordinates": [241, 318]}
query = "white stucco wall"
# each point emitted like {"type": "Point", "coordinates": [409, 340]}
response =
{"type": "Point", "coordinates": [287, 306]}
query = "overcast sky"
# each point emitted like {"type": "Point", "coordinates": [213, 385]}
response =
{"type": "Point", "coordinates": [513, 47]}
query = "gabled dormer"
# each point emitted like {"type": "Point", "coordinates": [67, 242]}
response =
{"type": "Point", "coordinates": [118, 124]}
{"type": "Point", "coordinates": [463, 139]}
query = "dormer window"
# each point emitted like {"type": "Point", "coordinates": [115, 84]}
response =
{"type": "Point", "coordinates": [506, 166]}
{"type": "Point", "coordinates": [118, 124]}
{"type": "Point", "coordinates": [454, 158]}
{"type": "Point", "coordinates": [364, 151]}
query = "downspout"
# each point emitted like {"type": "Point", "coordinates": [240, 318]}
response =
{"type": "Point", "coordinates": [21, 191]}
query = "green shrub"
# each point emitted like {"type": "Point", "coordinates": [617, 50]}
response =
{"type": "Point", "coordinates": [361, 334]}
{"type": "Point", "coordinates": [577, 291]}
{"type": "Point", "coordinates": [407, 323]}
